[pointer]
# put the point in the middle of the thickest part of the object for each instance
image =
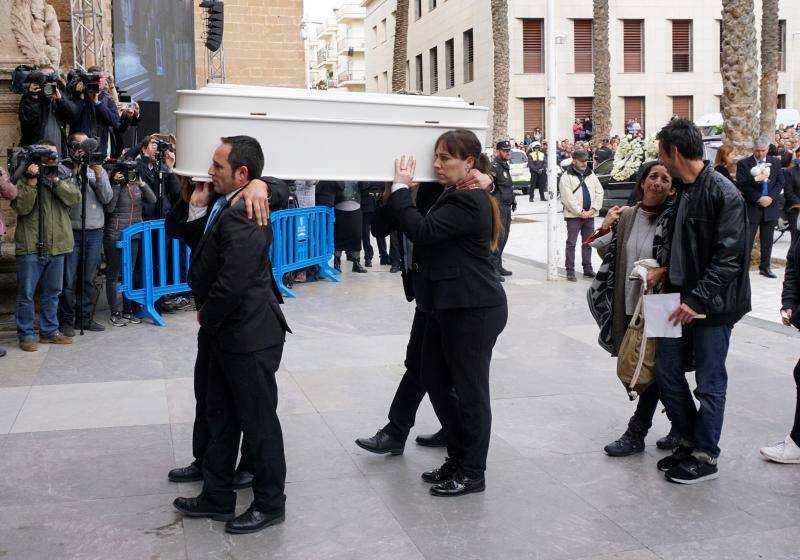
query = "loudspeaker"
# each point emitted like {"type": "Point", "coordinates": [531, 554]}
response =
{"type": "Point", "coordinates": [150, 123]}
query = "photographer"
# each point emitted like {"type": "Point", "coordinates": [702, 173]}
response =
{"type": "Point", "coordinates": [158, 155]}
{"type": "Point", "coordinates": [98, 194]}
{"type": "Point", "coordinates": [44, 110]}
{"type": "Point", "coordinates": [124, 209]}
{"type": "Point", "coordinates": [8, 190]}
{"type": "Point", "coordinates": [95, 112]}
{"type": "Point", "coordinates": [43, 236]}
{"type": "Point", "coordinates": [128, 116]}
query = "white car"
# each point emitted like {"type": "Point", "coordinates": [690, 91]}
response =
{"type": "Point", "coordinates": [520, 172]}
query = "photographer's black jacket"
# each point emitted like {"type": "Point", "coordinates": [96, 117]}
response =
{"type": "Point", "coordinates": [170, 191]}
{"type": "Point", "coordinates": [33, 115]}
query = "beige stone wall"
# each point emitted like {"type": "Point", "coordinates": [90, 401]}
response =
{"type": "Point", "coordinates": [262, 43]}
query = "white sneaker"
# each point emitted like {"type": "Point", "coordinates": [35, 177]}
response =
{"type": "Point", "coordinates": [785, 451]}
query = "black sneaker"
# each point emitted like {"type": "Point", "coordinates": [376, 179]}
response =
{"type": "Point", "coordinates": [691, 471]}
{"type": "Point", "coordinates": [571, 277]}
{"type": "Point", "coordinates": [627, 444]}
{"type": "Point", "coordinates": [669, 441]}
{"type": "Point", "coordinates": [131, 318]}
{"type": "Point", "coordinates": [117, 320]}
{"type": "Point", "coordinates": [589, 274]}
{"type": "Point", "coordinates": [67, 330]}
{"type": "Point", "coordinates": [678, 455]}
{"type": "Point", "coordinates": [93, 326]}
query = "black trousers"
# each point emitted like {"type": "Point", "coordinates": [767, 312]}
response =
{"type": "Point", "coordinates": [243, 396]}
{"type": "Point", "coordinates": [538, 181]}
{"type": "Point", "coordinates": [457, 353]}
{"type": "Point", "coordinates": [767, 231]}
{"type": "Point", "coordinates": [505, 217]}
{"type": "Point", "coordinates": [395, 251]}
{"type": "Point", "coordinates": [795, 433]}
{"type": "Point", "coordinates": [642, 419]}
{"type": "Point", "coordinates": [366, 222]}
{"type": "Point", "coordinates": [201, 434]}
{"type": "Point", "coordinates": [410, 392]}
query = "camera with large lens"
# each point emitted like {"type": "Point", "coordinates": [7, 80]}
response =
{"type": "Point", "coordinates": [163, 146]}
{"type": "Point", "coordinates": [91, 81]}
{"type": "Point", "coordinates": [128, 169]}
{"type": "Point", "coordinates": [21, 157]}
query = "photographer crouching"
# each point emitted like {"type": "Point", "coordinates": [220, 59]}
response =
{"type": "Point", "coordinates": [88, 220]}
{"type": "Point", "coordinates": [44, 109]}
{"type": "Point", "coordinates": [43, 236]}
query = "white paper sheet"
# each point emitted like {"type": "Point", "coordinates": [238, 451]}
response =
{"type": "Point", "coordinates": [657, 309]}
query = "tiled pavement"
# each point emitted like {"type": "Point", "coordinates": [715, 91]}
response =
{"type": "Point", "coordinates": [88, 433]}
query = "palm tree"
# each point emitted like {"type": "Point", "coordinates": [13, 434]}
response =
{"type": "Point", "coordinates": [739, 73]}
{"type": "Point", "coordinates": [400, 46]}
{"type": "Point", "coordinates": [601, 59]}
{"type": "Point", "coordinates": [501, 69]}
{"type": "Point", "coordinates": [769, 66]}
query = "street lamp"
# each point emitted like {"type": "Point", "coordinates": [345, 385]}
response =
{"type": "Point", "coordinates": [551, 125]}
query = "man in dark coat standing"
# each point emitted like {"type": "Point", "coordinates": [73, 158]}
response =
{"type": "Point", "coordinates": [762, 199]}
{"type": "Point", "coordinates": [230, 274]}
{"type": "Point", "coordinates": [504, 192]}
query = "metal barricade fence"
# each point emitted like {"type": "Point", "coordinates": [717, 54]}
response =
{"type": "Point", "coordinates": [302, 237]}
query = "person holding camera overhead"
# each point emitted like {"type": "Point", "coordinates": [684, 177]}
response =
{"type": "Point", "coordinates": [43, 236]}
{"type": "Point", "coordinates": [98, 194]}
{"type": "Point", "coordinates": [124, 209]}
{"type": "Point", "coordinates": [456, 284]}
{"type": "Point", "coordinates": [95, 113]}
{"type": "Point", "coordinates": [44, 111]}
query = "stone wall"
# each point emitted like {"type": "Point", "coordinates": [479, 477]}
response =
{"type": "Point", "coordinates": [262, 43]}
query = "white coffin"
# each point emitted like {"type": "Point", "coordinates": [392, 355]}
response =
{"type": "Point", "coordinates": [312, 134]}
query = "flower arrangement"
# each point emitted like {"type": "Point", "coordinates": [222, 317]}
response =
{"type": "Point", "coordinates": [630, 155]}
{"type": "Point", "coordinates": [760, 172]}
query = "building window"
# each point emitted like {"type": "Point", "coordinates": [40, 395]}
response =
{"type": "Point", "coordinates": [434, 60]}
{"type": "Point", "coordinates": [681, 45]}
{"type": "Point", "coordinates": [781, 101]}
{"type": "Point", "coordinates": [376, 83]}
{"type": "Point", "coordinates": [583, 45]}
{"type": "Point", "coordinates": [387, 82]}
{"type": "Point", "coordinates": [583, 108]}
{"type": "Point", "coordinates": [383, 31]}
{"type": "Point", "coordinates": [633, 45]}
{"type": "Point", "coordinates": [682, 106]}
{"type": "Point", "coordinates": [431, 5]}
{"type": "Point", "coordinates": [418, 69]}
{"type": "Point", "coordinates": [408, 75]}
{"type": "Point", "coordinates": [374, 36]}
{"type": "Point", "coordinates": [634, 113]}
{"type": "Point", "coordinates": [532, 46]}
{"type": "Point", "coordinates": [469, 57]}
{"type": "Point", "coordinates": [417, 9]}
{"type": "Point", "coordinates": [533, 115]}
{"type": "Point", "coordinates": [450, 63]}
{"type": "Point", "coordinates": [782, 45]}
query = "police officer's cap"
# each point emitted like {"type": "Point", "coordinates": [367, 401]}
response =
{"type": "Point", "coordinates": [503, 145]}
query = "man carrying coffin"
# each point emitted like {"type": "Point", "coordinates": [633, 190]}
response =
{"type": "Point", "coordinates": [230, 274]}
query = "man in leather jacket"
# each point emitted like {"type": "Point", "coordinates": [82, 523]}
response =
{"type": "Point", "coordinates": [708, 267]}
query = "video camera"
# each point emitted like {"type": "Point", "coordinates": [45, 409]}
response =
{"type": "Point", "coordinates": [86, 152]}
{"type": "Point", "coordinates": [23, 76]}
{"type": "Point", "coordinates": [129, 170]}
{"type": "Point", "coordinates": [90, 80]}
{"type": "Point", "coordinates": [20, 157]}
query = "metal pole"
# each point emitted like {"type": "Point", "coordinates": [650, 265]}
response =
{"type": "Point", "coordinates": [790, 103]}
{"type": "Point", "coordinates": [551, 123]}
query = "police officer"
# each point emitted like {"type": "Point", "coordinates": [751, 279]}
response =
{"type": "Point", "coordinates": [538, 166]}
{"type": "Point", "coordinates": [504, 192]}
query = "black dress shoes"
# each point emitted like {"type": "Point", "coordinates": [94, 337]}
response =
{"type": "Point", "coordinates": [394, 269]}
{"type": "Point", "coordinates": [358, 268]}
{"type": "Point", "coordinates": [459, 485]}
{"type": "Point", "coordinates": [367, 262]}
{"type": "Point", "coordinates": [767, 272]}
{"type": "Point", "coordinates": [432, 440]}
{"type": "Point", "coordinates": [504, 272]}
{"type": "Point", "coordinates": [242, 479]}
{"type": "Point", "coordinates": [198, 507]}
{"type": "Point", "coordinates": [337, 263]}
{"type": "Point", "coordinates": [384, 261]}
{"type": "Point", "coordinates": [192, 473]}
{"type": "Point", "coordinates": [443, 473]}
{"type": "Point", "coordinates": [381, 443]}
{"type": "Point", "coordinates": [253, 520]}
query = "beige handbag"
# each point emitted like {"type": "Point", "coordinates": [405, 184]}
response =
{"type": "Point", "coordinates": [636, 365]}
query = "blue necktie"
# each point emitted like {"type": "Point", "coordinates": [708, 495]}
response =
{"type": "Point", "coordinates": [764, 184]}
{"type": "Point", "coordinates": [218, 205]}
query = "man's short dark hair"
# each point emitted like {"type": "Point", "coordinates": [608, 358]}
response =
{"type": "Point", "coordinates": [72, 137]}
{"type": "Point", "coordinates": [245, 151]}
{"type": "Point", "coordinates": [683, 135]}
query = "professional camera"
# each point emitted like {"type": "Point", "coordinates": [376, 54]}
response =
{"type": "Point", "coordinates": [90, 80]}
{"type": "Point", "coordinates": [86, 151]}
{"type": "Point", "coordinates": [128, 169]}
{"type": "Point", "coordinates": [20, 157]}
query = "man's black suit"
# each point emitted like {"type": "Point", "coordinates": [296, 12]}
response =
{"type": "Point", "coordinates": [240, 314]}
{"type": "Point", "coordinates": [456, 286]}
{"type": "Point", "coordinates": [760, 218]}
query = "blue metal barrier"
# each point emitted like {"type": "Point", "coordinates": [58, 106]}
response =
{"type": "Point", "coordinates": [302, 237]}
{"type": "Point", "coordinates": [171, 276]}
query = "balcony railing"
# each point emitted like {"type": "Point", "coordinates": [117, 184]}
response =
{"type": "Point", "coordinates": [355, 43]}
{"type": "Point", "coordinates": [352, 76]}
{"type": "Point", "coordinates": [326, 56]}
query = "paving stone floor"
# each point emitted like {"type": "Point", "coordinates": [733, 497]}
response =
{"type": "Point", "coordinates": [88, 433]}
